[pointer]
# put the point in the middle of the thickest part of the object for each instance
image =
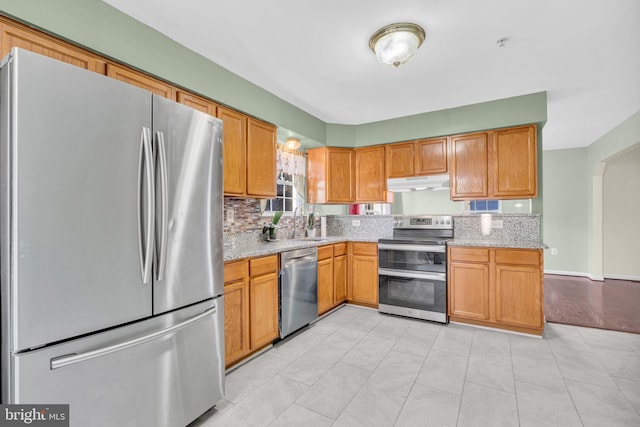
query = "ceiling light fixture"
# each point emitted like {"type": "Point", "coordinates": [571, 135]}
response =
{"type": "Point", "coordinates": [396, 44]}
{"type": "Point", "coordinates": [292, 143]}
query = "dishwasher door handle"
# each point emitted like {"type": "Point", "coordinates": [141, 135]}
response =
{"type": "Point", "coordinates": [299, 260]}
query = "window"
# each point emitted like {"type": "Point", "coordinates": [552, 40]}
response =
{"type": "Point", "coordinates": [484, 206]}
{"type": "Point", "coordinates": [290, 182]}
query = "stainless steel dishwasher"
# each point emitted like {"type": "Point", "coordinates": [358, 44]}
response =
{"type": "Point", "coordinates": [298, 289]}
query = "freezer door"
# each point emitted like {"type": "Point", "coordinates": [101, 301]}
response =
{"type": "Point", "coordinates": [189, 258]}
{"type": "Point", "coordinates": [145, 374]}
{"type": "Point", "coordinates": [71, 152]}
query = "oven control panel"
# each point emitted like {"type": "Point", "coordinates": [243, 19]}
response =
{"type": "Point", "coordinates": [424, 221]}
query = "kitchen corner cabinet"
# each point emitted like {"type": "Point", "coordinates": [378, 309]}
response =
{"type": "Point", "coordinates": [332, 276]}
{"type": "Point", "coordinates": [249, 153]}
{"type": "Point", "coordinates": [497, 287]}
{"type": "Point", "coordinates": [330, 175]}
{"type": "Point", "coordinates": [371, 182]}
{"type": "Point", "coordinates": [363, 274]}
{"type": "Point", "coordinates": [140, 80]}
{"type": "Point", "coordinates": [17, 36]}
{"type": "Point", "coordinates": [250, 306]}
{"type": "Point", "coordinates": [499, 164]}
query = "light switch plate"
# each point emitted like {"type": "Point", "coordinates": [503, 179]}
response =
{"type": "Point", "coordinates": [355, 222]}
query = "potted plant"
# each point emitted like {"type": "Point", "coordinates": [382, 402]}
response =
{"type": "Point", "coordinates": [311, 225]}
{"type": "Point", "coordinates": [269, 230]}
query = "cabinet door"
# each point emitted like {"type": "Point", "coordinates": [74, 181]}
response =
{"type": "Point", "coordinates": [371, 181]}
{"type": "Point", "coordinates": [261, 159]}
{"type": "Point", "coordinates": [340, 279]}
{"type": "Point", "coordinates": [236, 321]}
{"type": "Point", "coordinates": [400, 159]}
{"type": "Point", "coordinates": [325, 285]}
{"type": "Point", "coordinates": [431, 156]}
{"type": "Point", "coordinates": [519, 296]}
{"type": "Point", "coordinates": [469, 290]}
{"type": "Point", "coordinates": [364, 279]}
{"type": "Point", "coordinates": [12, 36]}
{"type": "Point", "coordinates": [140, 80]}
{"type": "Point", "coordinates": [197, 103]}
{"type": "Point", "coordinates": [263, 309]}
{"type": "Point", "coordinates": [234, 151]}
{"type": "Point", "coordinates": [340, 175]}
{"type": "Point", "coordinates": [469, 157]}
{"type": "Point", "coordinates": [514, 163]}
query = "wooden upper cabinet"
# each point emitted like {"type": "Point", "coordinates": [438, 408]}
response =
{"type": "Point", "coordinates": [371, 182]}
{"type": "Point", "coordinates": [469, 166]}
{"type": "Point", "coordinates": [234, 151]}
{"type": "Point", "coordinates": [514, 163]}
{"type": "Point", "coordinates": [15, 36]}
{"type": "Point", "coordinates": [400, 159]}
{"type": "Point", "coordinates": [431, 156]}
{"type": "Point", "coordinates": [140, 80]}
{"type": "Point", "coordinates": [197, 103]}
{"type": "Point", "coordinates": [330, 175]}
{"type": "Point", "coordinates": [261, 159]}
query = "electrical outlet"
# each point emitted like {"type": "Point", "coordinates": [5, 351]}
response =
{"type": "Point", "coordinates": [355, 222]}
{"type": "Point", "coordinates": [497, 223]}
{"type": "Point", "coordinates": [230, 215]}
{"type": "Point", "coordinates": [554, 251]}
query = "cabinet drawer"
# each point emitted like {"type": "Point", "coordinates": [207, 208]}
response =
{"type": "Point", "coordinates": [365, 249]}
{"type": "Point", "coordinates": [264, 265]}
{"type": "Point", "coordinates": [518, 256]}
{"type": "Point", "coordinates": [469, 254]}
{"type": "Point", "coordinates": [325, 252]}
{"type": "Point", "coordinates": [235, 270]}
{"type": "Point", "coordinates": [339, 249]}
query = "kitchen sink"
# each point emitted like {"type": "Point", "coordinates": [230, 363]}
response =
{"type": "Point", "coordinates": [311, 239]}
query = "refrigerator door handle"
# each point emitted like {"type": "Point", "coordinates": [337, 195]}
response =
{"type": "Point", "coordinates": [164, 225]}
{"type": "Point", "coordinates": [74, 358]}
{"type": "Point", "coordinates": [145, 237]}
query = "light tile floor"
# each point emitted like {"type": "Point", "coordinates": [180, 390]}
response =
{"type": "Point", "coordinates": [356, 367]}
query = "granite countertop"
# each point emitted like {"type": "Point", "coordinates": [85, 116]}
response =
{"type": "Point", "coordinates": [257, 249]}
{"type": "Point", "coordinates": [515, 244]}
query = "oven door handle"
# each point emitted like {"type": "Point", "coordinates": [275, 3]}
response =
{"type": "Point", "coordinates": [412, 275]}
{"type": "Point", "coordinates": [412, 248]}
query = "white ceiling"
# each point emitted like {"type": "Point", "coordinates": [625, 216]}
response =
{"type": "Point", "coordinates": [315, 55]}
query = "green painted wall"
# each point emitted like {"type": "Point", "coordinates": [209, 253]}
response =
{"type": "Point", "coordinates": [565, 212]}
{"type": "Point", "coordinates": [506, 112]}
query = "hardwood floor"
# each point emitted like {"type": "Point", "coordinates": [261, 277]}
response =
{"type": "Point", "coordinates": [612, 304]}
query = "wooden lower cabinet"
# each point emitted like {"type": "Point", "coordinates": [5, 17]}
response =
{"type": "Point", "coordinates": [332, 276]}
{"type": "Point", "coordinates": [250, 306]}
{"type": "Point", "coordinates": [363, 274]}
{"type": "Point", "coordinates": [325, 279]}
{"type": "Point", "coordinates": [497, 287]}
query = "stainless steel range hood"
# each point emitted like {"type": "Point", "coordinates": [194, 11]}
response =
{"type": "Point", "coordinates": [428, 182]}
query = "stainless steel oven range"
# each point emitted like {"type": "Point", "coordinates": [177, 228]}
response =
{"type": "Point", "coordinates": [412, 267]}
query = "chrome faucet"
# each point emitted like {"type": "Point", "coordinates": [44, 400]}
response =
{"type": "Point", "coordinates": [294, 220]}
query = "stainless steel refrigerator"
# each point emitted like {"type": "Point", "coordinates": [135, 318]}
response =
{"type": "Point", "coordinates": [111, 248]}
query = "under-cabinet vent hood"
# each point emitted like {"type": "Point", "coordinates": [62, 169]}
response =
{"type": "Point", "coordinates": [429, 182]}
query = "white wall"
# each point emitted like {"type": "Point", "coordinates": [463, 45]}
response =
{"type": "Point", "coordinates": [621, 213]}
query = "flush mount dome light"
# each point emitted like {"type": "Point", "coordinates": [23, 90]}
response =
{"type": "Point", "coordinates": [396, 44]}
{"type": "Point", "coordinates": [292, 143]}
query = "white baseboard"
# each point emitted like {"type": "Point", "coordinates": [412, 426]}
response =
{"type": "Point", "coordinates": [575, 273]}
{"type": "Point", "coordinates": [622, 277]}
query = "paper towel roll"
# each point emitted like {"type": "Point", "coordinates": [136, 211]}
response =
{"type": "Point", "coordinates": [323, 226]}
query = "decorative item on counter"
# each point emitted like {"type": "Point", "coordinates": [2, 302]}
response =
{"type": "Point", "coordinates": [354, 209]}
{"type": "Point", "coordinates": [311, 225]}
{"type": "Point", "coordinates": [269, 230]}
